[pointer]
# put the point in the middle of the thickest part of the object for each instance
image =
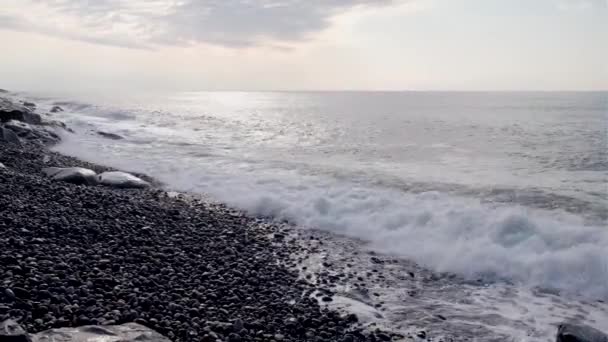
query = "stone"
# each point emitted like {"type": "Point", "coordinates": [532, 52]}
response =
{"type": "Point", "coordinates": [12, 111]}
{"type": "Point", "coordinates": [9, 136]}
{"type": "Point", "coordinates": [29, 104]}
{"type": "Point", "coordinates": [33, 132]}
{"type": "Point", "coordinates": [2, 167]}
{"type": "Point", "coordinates": [10, 331]}
{"type": "Point", "coordinates": [119, 179]}
{"type": "Point", "coordinates": [18, 126]}
{"type": "Point", "coordinates": [110, 135]}
{"type": "Point", "coordinates": [128, 332]}
{"type": "Point", "coordinates": [74, 175]}
{"type": "Point", "coordinates": [56, 109]}
{"type": "Point", "coordinates": [568, 332]}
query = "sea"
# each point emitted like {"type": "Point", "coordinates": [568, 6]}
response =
{"type": "Point", "coordinates": [503, 196]}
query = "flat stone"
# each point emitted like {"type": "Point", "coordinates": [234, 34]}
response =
{"type": "Point", "coordinates": [10, 331]}
{"type": "Point", "coordinates": [119, 179]}
{"type": "Point", "coordinates": [75, 175]}
{"type": "Point", "coordinates": [110, 333]}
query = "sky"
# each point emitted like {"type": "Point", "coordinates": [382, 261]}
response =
{"type": "Point", "coordinates": [190, 45]}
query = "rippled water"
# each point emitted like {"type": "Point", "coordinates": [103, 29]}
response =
{"type": "Point", "coordinates": [510, 188]}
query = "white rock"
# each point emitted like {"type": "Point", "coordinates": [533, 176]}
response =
{"type": "Point", "coordinates": [76, 175]}
{"type": "Point", "coordinates": [2, 166]}
{"type": "Point", "coordinates": [120, 179]}
{"type": "Point", "coordinates": [129, 332]}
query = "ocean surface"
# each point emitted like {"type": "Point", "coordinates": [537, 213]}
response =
{"type": "Point", "coordinates": [507, 189]}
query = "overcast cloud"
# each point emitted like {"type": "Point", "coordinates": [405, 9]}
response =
{"type": "Point", "coordinates": [141, 23]}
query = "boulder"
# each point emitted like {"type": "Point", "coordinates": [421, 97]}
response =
{"type": "Point", "coordinates": [9, 136]}
{"type": "Point", "coordinates": [56, 109]}
{"type": "Point", "coordinates": [74, 175]}
{"type": "Point", "coordinates": [10, 331]}
{"type": "Point", "coordinates": [29, 104]}
{"type": "Point", "coordinates": [110, 135]}
{"type": "Point", "coordinates": [43, 134]}
{"type": "Point", "coordinates": [128, 332]}
{"type": "Point", "coordinates": [568, 332]}
{"type": "Point", "coordinates": [3, 91]}
{"type": "Point", "coordinates": [120, 179]}
{"type": "Point", "coordinates": [12, 111]}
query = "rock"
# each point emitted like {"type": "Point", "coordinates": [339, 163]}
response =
{"type": "Point", "coordinates": [33, 132]}
{"type": "Point", "coordinates": [2, 167]}
{"type": "Point", "coordinates": [18, 126]}
{"type": "Point", "coordinates": [568, 332]}
{"type": "Point", "coordinates": [120, 179]}
{"type": "Point", "coordinates": [110, 135]}
{"type": "Point", "coordinates": [110, 333]}
{"type": "Point", "coordinates": [11, 111]}
{"type": "Point", "coordinates": [3, 91]}
{"type": "Point", "coordinates": [9, 136]}
{"type": "Point", "coordinates": [75, 175]}
{"type": "Point", "coordinates": [29, 104]}
{"type": "Point", "coordinates": [56, 109]}
{"type": "Point", "coordinates": [10, 331]}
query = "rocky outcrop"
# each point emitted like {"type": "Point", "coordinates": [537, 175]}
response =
{"type": "Point", "coordinates": [26, 124]}
{"type": "Point", "coordinates": [12, 111]}
{"type": "Point", "coordinates": [74, 175]}
{"type": "Point", "coordinates": [568, 332]}
{"type": "Point", "coordinates": [120, 179]}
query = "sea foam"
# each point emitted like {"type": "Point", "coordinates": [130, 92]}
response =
{"type": "Point", "coordinates": [448, 233]}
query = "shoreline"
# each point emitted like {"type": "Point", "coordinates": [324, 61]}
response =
{"type": "Point", "coordinates": [78, 255]}
{"type": "Point", "coordinates": [306, 273]}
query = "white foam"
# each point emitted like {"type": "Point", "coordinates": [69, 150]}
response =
{"type": "Point", "coordinates": [447, 233]}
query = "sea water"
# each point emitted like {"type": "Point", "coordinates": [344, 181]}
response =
{"type": "Point", "coordinates": [506, 188]}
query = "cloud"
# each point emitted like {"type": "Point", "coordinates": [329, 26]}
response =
{"type": "Point", "coordinates": [146, 23]}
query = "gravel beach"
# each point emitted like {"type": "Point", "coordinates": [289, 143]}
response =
{"type": "Point", "coordinates": [74, 255]}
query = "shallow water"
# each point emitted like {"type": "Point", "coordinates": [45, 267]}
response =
{"type": "Point", "coordinates": [506, 188]}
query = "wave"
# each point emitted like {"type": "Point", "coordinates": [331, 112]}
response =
{"type": "Point", "coordinates": [448, 233]}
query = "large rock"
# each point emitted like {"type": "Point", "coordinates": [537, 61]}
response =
{"type": "Point", "coordinates": [12, 111]}
{"type": "Point", "coordinates": [74, 175]}
{"type": "Point", "coordinates": [579, 333]}
{"type": "Point", "coordinates": [129, 332]}
{"type": "Point", "coordinates": [120, 179]}
{"type": "Point", "coordinates": [10, 331]}
{"type": "Point", "coordinates": [43, 134]}
{"type": "Point", "coordinates": [9, 136]}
